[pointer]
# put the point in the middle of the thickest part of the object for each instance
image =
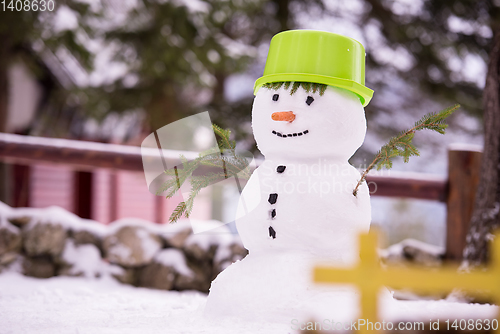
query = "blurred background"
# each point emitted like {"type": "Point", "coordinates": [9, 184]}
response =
{"type": "Point", "coordinates": [113, 71]}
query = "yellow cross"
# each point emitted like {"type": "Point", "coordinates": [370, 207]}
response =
{"type": "Point", "coordinates": [370, 277]}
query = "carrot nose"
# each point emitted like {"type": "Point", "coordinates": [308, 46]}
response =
{"type": "Point", "coordinates": [283, 116]}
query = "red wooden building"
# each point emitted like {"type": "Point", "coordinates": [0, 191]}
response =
{"type": "Point", "coordinates": [104, 195]}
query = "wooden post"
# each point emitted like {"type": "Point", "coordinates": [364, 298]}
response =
{"type": "Point", "coordinates": [21, 185]}
{"type": "Point", "coordinates": [83, 192]}
{"type": "Point", "coordinates": [159, 209]}
{"type": "Point", "coordinates": [113, 196]}
{"type": "Point", "coordinates": [5, 183]}
{"type": "Point", "coordinates": [463, 176]}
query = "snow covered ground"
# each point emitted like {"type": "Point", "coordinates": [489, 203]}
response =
{"type": "Point", "coordinates": [102, 306]}
{"type": "Point", "coordinates": [79, 305]}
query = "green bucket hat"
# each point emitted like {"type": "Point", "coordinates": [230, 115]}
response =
{"type": "Point", "coordinates": [319, 57]}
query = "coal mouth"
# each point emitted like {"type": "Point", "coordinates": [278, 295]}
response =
{"type": "Point", "coordinates": [287, 135]}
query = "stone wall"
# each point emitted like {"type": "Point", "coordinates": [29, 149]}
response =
{"type": "Point", "coordinates": [49, 242]}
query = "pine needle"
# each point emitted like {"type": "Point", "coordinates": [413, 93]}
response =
{"type": "Point", "coordinates": [322, 90]}
{"type": "Point", "coordinates": [225, 159]}
{"type": "Point", "coordinates": [178, 212]}
{"type": "Point", "coordinates": [307, 86]}
{"type": "Point", "coordinates": [402, 146]}
{"type": "Point", "coordinates": [295, 87]}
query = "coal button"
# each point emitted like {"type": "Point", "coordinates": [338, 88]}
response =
{"type": "Point", "coordinates": [272, 198]}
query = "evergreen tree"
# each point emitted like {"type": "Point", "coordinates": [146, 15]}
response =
{"type": "Point", "coordinates": [441, 37]}
{"type": "Point", "coordinates": [19, 30]}
{"type": "Point", "coordinates": [486, 214]}
{"type": "Point", "coordinates": [181, 56]}
{"type": "Point", "coordinates": [175, 52]}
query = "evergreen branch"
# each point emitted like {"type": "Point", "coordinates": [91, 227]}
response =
{"type": "Point", "coordinates": [224, 143]}
{"type": "Point", "coordinates": [179, 176]}
{"type": "Point", "coordinates": [402, 145]}
{"type": "Point", "coordinates": [233, 164]}
{"type": "Point", "coordinates": [198, 183]}
{"type": "Point", "coordinates": [229, 164]}
{"type": "Point", "coordinates": [178, 212]}
{"type": "Point", "coordinates": [172, 183]}
{"type": "Point", "coordinates": [307, 86]}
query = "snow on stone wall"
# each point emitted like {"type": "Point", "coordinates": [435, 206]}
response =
{"type": "Point", "coordinates": [51, 242]}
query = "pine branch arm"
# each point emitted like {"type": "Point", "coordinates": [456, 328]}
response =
{"type": "Point", "coordinates": [402, 145]}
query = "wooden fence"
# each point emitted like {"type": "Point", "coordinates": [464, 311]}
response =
{"type": "Point", "coordinates": [481, 282]}
{"type": "Point", "coordinates": [457, 190]}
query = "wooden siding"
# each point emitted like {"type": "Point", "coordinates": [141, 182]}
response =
{"type": "Point", "coordinates": [51, 185]}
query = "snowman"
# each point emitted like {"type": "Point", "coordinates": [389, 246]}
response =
{"type": "Point", "coordinates": [308, 120]}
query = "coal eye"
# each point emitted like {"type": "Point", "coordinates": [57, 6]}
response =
{"type": "Point", "coordinates": [309, 100]}
{"type": "Point", "coordinates": [276, 97]}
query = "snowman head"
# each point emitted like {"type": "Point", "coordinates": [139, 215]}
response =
{"type": "Point", "coordinates": [307, 120]}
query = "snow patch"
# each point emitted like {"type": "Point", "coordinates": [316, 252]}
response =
{"type": "Point", "coordinates": [121, 251]}
{"type": "Point", "coordinates": [5, 210]}
{"type": "Point", "coordinates": [397, 249]}
{"type": "Point", "coordinates": [410, 175]}
{"type": "Point", "coordinates": [170, 155]}
{"type": "Point", "coordinates": [56, 216]}
{"type": "Point", "coordinates": [174, 228]}
{"type": "Point", "coordinates": [8, 226]}
{"type": "Point", "coordinates": [235, 48]}
{"type": "Point", "coordinates": [86, 260]}
{"type": "Point", "coordinates": [221, 236]}
{"type": "Point", "coordinates": [149, 246]}
{"type": "Point", "coordinates": [51, 306]}
{"type": "Point", "coordinates": [172, 257]}
{"type": "Point", "coordinates": [135, 222]}
{"type": "Point", "coordinates": [65, 19]}
{"type": "Point", "coordinates": [465, 147]}
{"type": "Point", "coordinates": [193, 6]}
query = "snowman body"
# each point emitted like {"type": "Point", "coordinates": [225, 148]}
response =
{"type": "Point", "coordinates": [307, 207]}
{"type": "Point", "coordinates": [307, 212]}
{"type": "Point", "coordinates": [306, 183]}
